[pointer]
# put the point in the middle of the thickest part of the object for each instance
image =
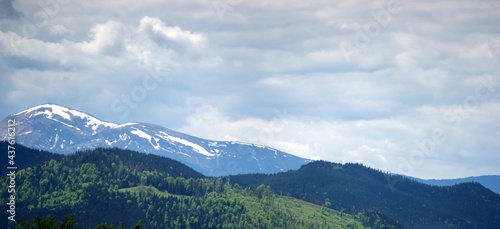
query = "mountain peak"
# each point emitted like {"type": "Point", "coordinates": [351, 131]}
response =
{"type": "Point", "coordinates": [59, 129]}
{"type": "Point", "coordinates": [51, 111]}
{"type": "Point", "coordinates": [51, 106]}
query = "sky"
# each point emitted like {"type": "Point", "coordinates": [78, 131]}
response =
{"type": "Point", "coordinates": [408, 87]}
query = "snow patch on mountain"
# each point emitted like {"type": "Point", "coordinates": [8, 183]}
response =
{"type": "Point", "coordinates": [68, 125]}
{"type": "Point", "coordinates": [250, 144]}
{"type": "Point", "coordinates": [216, 144]}
{"type": "Point", "coordinates": [55, 109]}
{"type": "Point", "coordinates": [63, 130]}
{"type": "Point", "coordinates": [123, 137]}
{"type": "Point", "coordinates": [50, 110]}
{"type": "Point", "coordinates": [55, 142]}
{"type": "Point", "coordinates": [195, 147]}
{"type": "Point", "coordinates": [141, 134]}
{"type": "Point", "coordinates": [124, 125]}
{"type": "Point", "coordinates": [111, 143]}
{"type": "Point", "coordinates": [95, 123]}
{"type": "Point", "coordinates": [155, 145]}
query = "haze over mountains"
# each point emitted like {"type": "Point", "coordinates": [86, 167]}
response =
{"type": "Point", "coordinates": [63, 130]}
{"type": "Point", "coordinates": [491, 182]}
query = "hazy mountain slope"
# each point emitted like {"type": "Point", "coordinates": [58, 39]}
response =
{"type": "Point", "coordinates": [491, 182]}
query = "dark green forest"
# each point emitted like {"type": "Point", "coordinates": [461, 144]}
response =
{"type": "Point", "coordinates": [121, 187]}
{"type": "Point", "coordinates": [68, 222]}
{"type": "Point", "coordinates": [353, 187]}
{"type": "Point", "coordinates": [26, 157]}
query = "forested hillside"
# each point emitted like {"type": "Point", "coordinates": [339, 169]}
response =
{"type": "Point", "coordinates": [353, 187]}
{"type": "Point", "coordinates": [25, 157]}
{"type": "Point", "coordinates": [113, 186]}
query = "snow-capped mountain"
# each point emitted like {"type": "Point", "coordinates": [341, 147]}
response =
{"type": "Point", "coordinates": [62, 130]}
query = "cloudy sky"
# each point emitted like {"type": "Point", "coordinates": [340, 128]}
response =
{"type": "Point", "coordinates": [409, 87]}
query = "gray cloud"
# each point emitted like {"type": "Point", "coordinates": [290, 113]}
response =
{"type": "Point", "coordinates": [224, 79]}
{"type": "Point", "coordinates": [7, 11]}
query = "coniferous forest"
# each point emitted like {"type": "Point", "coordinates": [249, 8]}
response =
{"type": "Point", "coordinates": [121, 187]}
{"type": "Point", "coordinates": [354, 187]}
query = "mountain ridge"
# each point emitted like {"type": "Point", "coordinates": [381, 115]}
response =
{"type": "Point", "coordinates": [354, 186]}
{"type": "Point", "coordinates": [123, 186]}
{"type": "Point", "coordinates": [63, 130]}
{"type": "Point", "coordinates": [491, 182]}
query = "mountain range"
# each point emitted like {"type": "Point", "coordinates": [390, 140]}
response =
{"type": "Point", "coordinates": [124, 187]}
{"type": "Point", "coordinates": [76, 163]}
{"type": "Point", "coordinates": [353, 186]}
{"type": "Point", "coordinates": [62, 130]}
{"type": "Point", "coordinates": [115, 185]}
{"type": "Point", "coordinates": [491, 182]}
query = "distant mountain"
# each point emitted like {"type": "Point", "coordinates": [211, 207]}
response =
{"type": "Point", "coordinates": [354, 187]}
{"type": "Point", "coordinates": [62, 130]}
{"type": "Point", "coordinates": [489, 181]}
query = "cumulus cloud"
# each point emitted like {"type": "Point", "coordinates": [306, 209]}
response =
{"type": "Point", "coordinates": [391, 144]}
{"type": "Point", "coordinates": [107, 38]}
{"type": "Point", "coordinates": [165, 35]}
{"type": "Point", "coordinates": [60, 30]}
{"type": "Point", "coordinates": [111, 38]}
{"type": "Point", "coordinates": [111, 52]}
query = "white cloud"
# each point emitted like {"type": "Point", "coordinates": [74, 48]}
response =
{"type": "Point", "coordinates": [15, 45]}
{"type": "Point", "coordinates": [381, 143]}
{"type": "Point", "coordinates": [172, 34]}
{"type": "Point", "coordinates": [107, 38]}
{"type": "Point", "coordinates": [60, 30]}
